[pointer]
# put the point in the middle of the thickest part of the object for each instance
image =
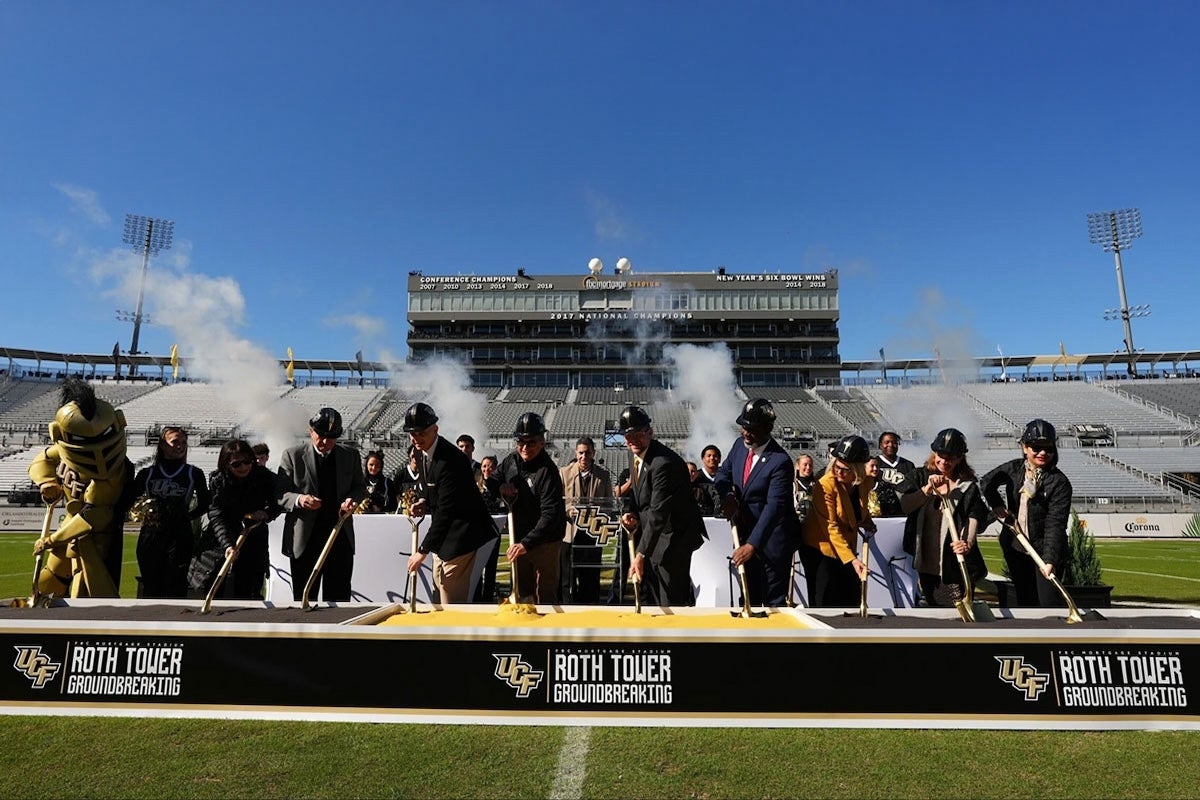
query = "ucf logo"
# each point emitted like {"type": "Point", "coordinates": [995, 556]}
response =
{"type": "Point", "coordinates": [517, 673]}
{"type": "Point", "coordinates": [1015, 672]}
{"type": "Point", "coordinates": [597, 524]}
{"type": "Point", "coordinates": [73, 485]}
{"type": "Point", "coordinates": [36, 665]}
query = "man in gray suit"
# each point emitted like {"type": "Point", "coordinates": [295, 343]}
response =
{"type": "Point", "coordinates": [664, 513]}
{"type": "Point", "coordinates": [319, 482]}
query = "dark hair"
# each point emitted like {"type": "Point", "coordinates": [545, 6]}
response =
{"type": "Point", "coordinates": [373, 454]}
{"type": "Point", "coordinates": [465, 437]}
{"type": "Point", "coordinates": [589, 441]}
{"type": "Point", "coordinates": [708, 447]}
{"type": "Point", "coordinates": [232, 448]}
{"type": "Point", "coordinates": [261, 449]}
{"type": "Point", "coordinates": [889, 433]}
{"type": "Point", "coordinates": [162, 439]}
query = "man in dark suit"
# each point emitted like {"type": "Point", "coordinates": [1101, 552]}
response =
{"type": "Point", "coordinates": [461, 522]}
{"type": "Point", "coordinates": [755, 484]}
{"type": "Point", "coordinates": [318, 482]}
{"type": "Point", "coordinates": [664, 514]}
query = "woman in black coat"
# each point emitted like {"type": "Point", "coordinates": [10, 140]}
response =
{"type": "Point", "coordinates": [173, 495]}
{"type": "Point", "coordinates": [243, 499]}
{"type": "Point", "coordinates": [944, 480]}
{"type": "Point", "coordinates": [381, 492]}
{"type": "Point", "coordinates": [1033, 491]}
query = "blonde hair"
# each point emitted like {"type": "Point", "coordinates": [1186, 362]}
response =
{"type": "Point", "coordinates": [859, 470]}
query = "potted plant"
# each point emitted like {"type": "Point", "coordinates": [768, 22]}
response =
{"type": "Point", "coordinates": [1081, 574]}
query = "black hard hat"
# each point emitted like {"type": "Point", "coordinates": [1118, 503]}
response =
{"type": "Point", "coordinates": [950, 441]}
{"type": "Point", "coordinates": [852, 450]}
{"type": "Point", "coordinates": [327, 422]}
{"type": "Point", "coordinates": [758, 412]}
{"type": "Point", "coordinates": [633, 418]}
{"type": "Point", "coordinates": [418, 417]}
{"type": "Point", "coordinates": [529, 424]}
{"type": "Point", "coordinates": [1039, 431]}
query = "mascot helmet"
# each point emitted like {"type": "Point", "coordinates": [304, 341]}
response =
{"type": "Point", "coordinates": [89, 432]}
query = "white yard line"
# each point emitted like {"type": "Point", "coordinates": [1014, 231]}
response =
{"type": "Point", "coordinates": [1152, 574]}
{"type": "Point", "coordinates": [572, 764]}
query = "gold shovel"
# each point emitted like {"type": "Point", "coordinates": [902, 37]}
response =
{"type": "Point", "coordinates": [968, 609]}
{"type": "Point", "coordinates": [312, 579]}
{"type": "Point", "coordinates": [1073, 615]}
{"type": "Point", "coordinates": [746, 612]}
{"type": "Point", "coordinates": [512, 603]}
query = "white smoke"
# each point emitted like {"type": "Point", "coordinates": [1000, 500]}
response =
{"type": "Point", "coordinates": [203, 314]}
{"type": "Point", "coordinates": [703, 377]}
{"type": "Point", "coordinates": [445, 385]}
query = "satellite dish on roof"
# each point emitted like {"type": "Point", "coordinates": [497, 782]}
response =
{"type": "Point", "coordinates": [596, 266]}
{"type": "Point", "coordinates": [623, 266]}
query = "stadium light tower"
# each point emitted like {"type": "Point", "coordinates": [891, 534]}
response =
{"type": "Point", "coordinates": [1115, 231]}
{"type": "Point", "coordinates": [146, 235]}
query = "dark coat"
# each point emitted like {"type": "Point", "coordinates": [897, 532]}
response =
{"type": "Point", "coordinates": [767, 515]}
{"type": "Point", "coordinates": [968, 505]}
{"type": "Point", "coordinates": [460, 520]}
{"type": "Point", "coordinates": [668, 516]}
{"type": "Point", "coordinates": [1049, 508]}
{"type": "Point", "coordinates": [539, 513]}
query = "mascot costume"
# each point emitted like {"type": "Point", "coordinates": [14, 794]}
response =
{"type": "Point", "coordinates": [86, 466]}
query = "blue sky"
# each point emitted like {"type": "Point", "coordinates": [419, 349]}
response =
{"type": "Point", "coordinates": [942, 156]}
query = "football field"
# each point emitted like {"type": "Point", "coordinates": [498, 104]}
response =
{"type": "Point", "coordinates": [118, 757]}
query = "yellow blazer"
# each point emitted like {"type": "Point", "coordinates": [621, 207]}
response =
{"type": "Point", "coordinates": [831, 527]}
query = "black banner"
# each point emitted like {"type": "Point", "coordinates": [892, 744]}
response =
{"type": "Point", "coordinates": [804, 680]}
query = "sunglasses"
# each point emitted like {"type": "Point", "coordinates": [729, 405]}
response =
{"type": "Point", "coordinates": [1042, 448]}
{"type": "Point", "coordinates": [526, 442]}
{"type": "Point", "coordinates": [239, 463]}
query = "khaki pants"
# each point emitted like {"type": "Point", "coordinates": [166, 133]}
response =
{"type": "Point", "coordinates": [453, 578]}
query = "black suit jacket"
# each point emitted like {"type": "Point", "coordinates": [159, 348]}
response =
{"type": "Point", "coordinates": [461, 522]}
{"type": "Point", "coordinates": [667, 512]}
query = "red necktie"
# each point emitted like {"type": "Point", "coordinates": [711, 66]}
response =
{"type": "Point", "coordinates": [746, 470]}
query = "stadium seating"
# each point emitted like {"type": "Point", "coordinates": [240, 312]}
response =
{"type": "Point", "coordinates": [991, 415]}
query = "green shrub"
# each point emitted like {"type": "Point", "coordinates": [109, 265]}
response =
{"type": "Point", "coordinates": [1193, 526]}
{"type": "Point", "coordinates": [1083, 565]}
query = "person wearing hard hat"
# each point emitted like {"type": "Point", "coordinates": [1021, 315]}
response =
{"type": "Point", "coordinates": [830, 551]}
{"type": "Point", "coordinates": [663, 514]}
{"type": "Point", "coordinates": [319, 481]}
{"type": "Point", "coordinates": [532, 488]}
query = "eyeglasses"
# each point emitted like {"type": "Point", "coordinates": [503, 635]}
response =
{"type": "Point", "coordinates": [1042, 447]}
{"type": "Point", "coordinates": [240, 463]}
{"type": "Point", "coordinates": [526, 442]}
{"type": "Point", "coordinates": [842, 469]}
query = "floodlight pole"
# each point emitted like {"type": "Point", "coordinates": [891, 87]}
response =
{"type": "Point", "coordinates": [1115, 231]}
{"type": "Point", "coordinates": [148, 236]}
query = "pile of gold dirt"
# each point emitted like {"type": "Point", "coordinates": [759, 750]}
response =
{"type": "Point", "coordinates": [506, 617]}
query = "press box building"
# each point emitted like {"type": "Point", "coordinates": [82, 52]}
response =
{"type": "Point", "coordinates": [604, 330]}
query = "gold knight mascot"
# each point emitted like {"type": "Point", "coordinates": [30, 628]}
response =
{"type": "Point", "coordinates": [86, 464]}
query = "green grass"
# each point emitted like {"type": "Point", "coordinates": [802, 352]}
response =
{"type": "Point", "coordinates": [1156, 571]}
{"type": "Point", "coordinates": [128, 758]}
{"type": "Point", "coordinates": [165, 758]}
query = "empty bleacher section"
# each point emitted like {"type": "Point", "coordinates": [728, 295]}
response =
{"type": "Point", "coordinates": [631, 396]}
{"type": "Point", "coordinates": [547, 395]}
{"type": "Point", "coordinates": [573, 421]}
{"type": "Point", "coordinates": [201, 406]}
{"type": "Point", "coordinates": [1145, 470]}
{"type": "Point", "coordinates": [501, 418]}
{"type": "Point", "coordinates": [1070, 403]}
{"type": "Point", "coordinates": [1181, 396]}
{"type": "Point", "coordinates": [922, 410]}
{"type": "Point", "coordinates": [354, 402]}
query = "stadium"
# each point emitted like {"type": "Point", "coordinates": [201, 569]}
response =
{"type": "Point", "coordinates": [689, 347]}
